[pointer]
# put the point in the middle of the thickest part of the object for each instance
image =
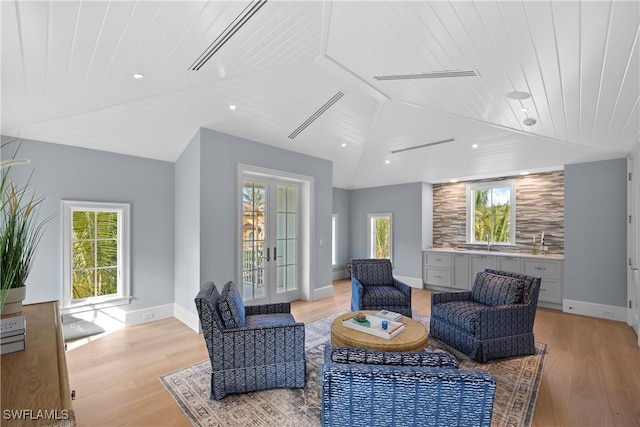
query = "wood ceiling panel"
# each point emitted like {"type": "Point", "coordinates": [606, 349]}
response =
{"type": "Point", "coordinates": [541, 29]}
{"type": "Point", "coordinates": [61, 24]}
{"type": "Point", "coordinates": [616, 67]}
{"type": "Point", "coordinates": [14, 100]}
{"type": "Point", "coordinates": [67, 74]}
{"type": "Point", "coordinates": [567, 26]}
{"type": "Point", "coordinates": [594, 28]}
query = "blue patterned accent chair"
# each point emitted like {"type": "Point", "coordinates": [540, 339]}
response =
{"type": "Point", "coordinates": [375, 388]}
{"type": "Point", "coordinates": [374, 288]}
{"type": "Point", "coordinates": [493, 320]}
{"type": "Point", "coordinates": [251, 348]}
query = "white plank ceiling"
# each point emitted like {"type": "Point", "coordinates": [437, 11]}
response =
{"type": "Point", "coordinates": [67, 78]}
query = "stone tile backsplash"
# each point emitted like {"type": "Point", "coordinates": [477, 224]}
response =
{"type": "Point", "coordinates": [539, 207]}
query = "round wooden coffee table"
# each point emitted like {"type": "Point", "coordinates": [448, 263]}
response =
{"type": "Point", "coordinates": [413, 338]}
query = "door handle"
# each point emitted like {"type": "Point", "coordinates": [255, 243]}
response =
{"type": "Point", "coordinates": [274, 253]}
{"type": "Point", "coordinates": [268, 257]}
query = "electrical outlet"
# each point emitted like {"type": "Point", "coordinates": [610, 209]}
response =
{"type": "Point", "coordinates": [147, 316]}
{"type": "Point", "coordinates": [607, 313]}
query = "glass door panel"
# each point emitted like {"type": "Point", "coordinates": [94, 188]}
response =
{"type": "Point", "coordinates": [286, 242]}
{"type": "Point", "coordinates": [253, 239]}
{"type": "Point", "coordinates": [270, 240]}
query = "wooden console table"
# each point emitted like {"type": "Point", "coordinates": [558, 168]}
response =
{"type": "Point", "coordinates": [35, 382]}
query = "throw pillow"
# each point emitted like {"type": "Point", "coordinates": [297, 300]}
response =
{"type": "Point", "coordinates": [231, 307]}
{"type": "Point", "coordinates": [374, 357]}
{"type": "Point", "coordinates": [493, 289]}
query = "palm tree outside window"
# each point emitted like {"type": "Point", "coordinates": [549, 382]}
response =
{"type": "Point", "coordinates": [491, 212]}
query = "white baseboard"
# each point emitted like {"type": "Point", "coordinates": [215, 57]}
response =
{"type": "Point", "coordinates": [609, 312]}
{"type": "Point", "coordinates": [414, 282]}
{"type": "Point", "coordinates": [323, 292]}
{"type": "Point", "coordinates": [186, 317]}
{"type": "Point", "coordinates": [114, 318]}
{"type": "Point", "coordinates": [150, 314]}
{"type": "Point", "coordinates": [339, 274]}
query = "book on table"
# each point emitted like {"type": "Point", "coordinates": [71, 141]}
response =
{"type": "Point", "coordinates": [375, 327]}
{"type": "Point", "coordinates": [389, 315]}
{"type": "Point", "coordinates": [12, 344]}
{"type": "Point", "coordinates": [10, 326]}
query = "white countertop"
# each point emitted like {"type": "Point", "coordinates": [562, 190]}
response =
{"type": "Point", "coordinates": [496, 253]}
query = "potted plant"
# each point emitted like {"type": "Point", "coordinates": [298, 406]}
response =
{"type": "Point", "coordinates": [20, 233]}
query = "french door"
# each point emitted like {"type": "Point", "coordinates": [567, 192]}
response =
{"type": "Point", "coordinates": [270, 240]}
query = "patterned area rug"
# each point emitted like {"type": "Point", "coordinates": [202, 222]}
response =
{"type": "Point", "coordinates": [518, 381]}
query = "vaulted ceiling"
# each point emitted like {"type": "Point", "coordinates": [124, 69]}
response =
{"type": "Point", "coordinates": [68, 66]}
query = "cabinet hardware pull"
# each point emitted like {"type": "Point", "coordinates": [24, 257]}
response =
{"type": "Point", "coordinates": [541, 268]}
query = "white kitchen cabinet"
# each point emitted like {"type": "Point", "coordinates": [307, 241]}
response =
{"type": "Point", "coordinates": [510, 263]}
{"type": "Point", "coordinates": [551, 273]}
{"type": "Point", "coordinates": [460, 279]}
{"type": "Point", "coordinates": [458, 269]}
{"type": "Point", "coordinates": [479, 263]}
{"type": "Point", "coordinates": [437, 269]}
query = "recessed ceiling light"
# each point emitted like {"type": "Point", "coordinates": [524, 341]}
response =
{"type": "Point", "coordinates": [529, 121]}
{"type": "Point", "coordinates": [138, 75]}
{"type": "Point", "coordinates": [454, 180]}
{"type": "Point", "coordinates": [387, 161]}
{"type": "Point", "coordinates": [524, 173]}
{"type": "Point", "coordinates": [344, 144]}
{"type": "Point", "coordinates": [524, 110]}
{"type": "Point", "coordinates": [518, 95]}
{"type": "Point", "coordinates": [232, 107]}
{"type": "Point", "coordinates": [474, 146]}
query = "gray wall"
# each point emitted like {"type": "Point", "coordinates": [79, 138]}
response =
{"type": "Point", "coordinates": [341, 199]}
{"type": "Point", "coordinates": [220, 155]}
{"type": "Point", "coordinates": [595, 232]}
{"type": "Point", "coordinates": [187, 227]}
{"type": "Point", "coordinates": [71, 173]}
{"type": "Point", "coordinates": [405, 201]}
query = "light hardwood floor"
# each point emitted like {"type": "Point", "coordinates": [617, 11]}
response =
{"type": "Point", "coordinates": [591, 375]}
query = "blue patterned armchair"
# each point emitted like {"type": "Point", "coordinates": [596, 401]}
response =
{"type": "Point", "coordinates": [251, 348]}
{"type": "Point", "coordinates": [374, 288]}
{"type": "Point", "coordinates": [374, 388]}
{"type": "Point", "coordinates": [493, 320]}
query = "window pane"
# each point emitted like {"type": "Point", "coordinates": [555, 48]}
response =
{"type": "Point", "coordinates": [107, 255]}
{"type": "Point", "coordinates": [83, 254]}
{"type": "Point", "coordinates": [281, 198]}
{"type": "Point", "coordinates": [291, 199]}
{"type": "Point", "coordinates": [107, 225]}
{"type": "Point", "coordinates": [334, 243]}
{"type": "Point", "coordinates": [382, 236]}
{"type": "Point", "coordinates": [491, 214]}
{"type": "Point", "coordinates": [291, 251]}
{"type": "Point", "coordinates": [83, 284]}
{"type": "Point", "coordinates": [84, 225]}
{"type": "Point", "coordinates": [107, 281]}
{"type": "Point", "coordinates": [291, 226]}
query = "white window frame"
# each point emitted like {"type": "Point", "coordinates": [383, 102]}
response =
{"type": "Point", "coordinates": [371, 217]}
{"type": "Point", "coordinates": [471, 211]}
{"type": "Point", "coordinates": [334, 239]}
{"type": "Point", "coordinates": [124, 229]}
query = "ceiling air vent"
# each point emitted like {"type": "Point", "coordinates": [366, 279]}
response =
{"type": "Point", "coordinates": [430, 144]}
{"type": "Point", "coordinates": [432, 75]}
{"type": "Point", "coordinates": [228, 32]}
{"type": "Point", "coordinates": [317, 114]}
